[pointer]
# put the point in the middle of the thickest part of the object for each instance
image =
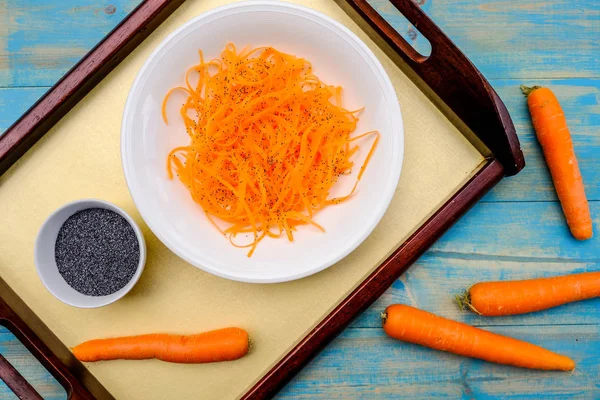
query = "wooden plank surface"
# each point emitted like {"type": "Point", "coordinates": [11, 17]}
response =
{"type": "Point", "coordinates": [554, 43]}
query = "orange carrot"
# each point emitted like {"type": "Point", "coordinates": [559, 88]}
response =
{"type": "Point", "coordinates": [554, 137]}
{"type": "Point", "coordinates": [519, 297]}
{"type": "Point", "coordinates": [220, 345]}
{"type": "Point", "coordinates": [268, 142]}
{"type": "Point", "coordinates": [426, 329]}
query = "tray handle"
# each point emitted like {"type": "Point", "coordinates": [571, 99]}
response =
{"type": "Point", "coordinates": [14, 380]}
{"type": "Point", "coordinates": [452, 77]}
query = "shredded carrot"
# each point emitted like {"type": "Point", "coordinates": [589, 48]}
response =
{"type": "Point", "coordinates": [268, 142]}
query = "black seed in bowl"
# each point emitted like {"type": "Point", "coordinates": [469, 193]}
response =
{"type": "Point", "coordinates": [97, 251]}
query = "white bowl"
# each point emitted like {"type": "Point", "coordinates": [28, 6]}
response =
{"type": "Point", "coordinates": [45, 261]}
{"type": "Point", "coordinates": [339, 57]}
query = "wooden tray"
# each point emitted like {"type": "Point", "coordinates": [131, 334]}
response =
{"type": "Point", "coordinates": [459, 142]}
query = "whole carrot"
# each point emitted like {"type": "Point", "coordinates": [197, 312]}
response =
{"type": "Point", "coordinates": [426, 329]}
{"type": "Point", "coordinates": [519, 297]}
{"type": "Point", "coordinates": [553, 134]}
{"type": "Point", "coordinates": [220, 345]}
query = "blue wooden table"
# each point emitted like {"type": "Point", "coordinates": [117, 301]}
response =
{"type": "Point", "coordinates": [515, 232]}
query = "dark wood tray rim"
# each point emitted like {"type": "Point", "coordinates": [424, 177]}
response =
{"type": "Point", "coordinates": [461, 88]}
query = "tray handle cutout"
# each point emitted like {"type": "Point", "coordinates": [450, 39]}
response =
{"type": "Point", "coordinates": [16, 382]}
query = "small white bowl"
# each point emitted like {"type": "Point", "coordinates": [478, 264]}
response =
{"type": "Point", "coordinates": [339, 57]}
{"type": "Point", "coordinates": [45, 261]}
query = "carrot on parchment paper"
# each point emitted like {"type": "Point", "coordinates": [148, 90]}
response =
{"type": "Point", "coordinates": [493, 299]}
{"type": "Point", "coordinates": [426, 329]}
{"type": "Point", "coordinates": [214, 346]}
{"type": "Point", "coordinates": [553, 134]}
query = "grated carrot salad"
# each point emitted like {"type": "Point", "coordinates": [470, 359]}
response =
{"type": "Point", "coordinates": [268, 141]}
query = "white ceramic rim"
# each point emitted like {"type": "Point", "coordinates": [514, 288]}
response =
{"type": "Point", "coordinates": [102, 300]}
{"type": "Point", "coordinates": [390, 95]}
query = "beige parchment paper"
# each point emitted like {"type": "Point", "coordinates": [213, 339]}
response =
{"type": "Point", "coordinates": [80, 157]}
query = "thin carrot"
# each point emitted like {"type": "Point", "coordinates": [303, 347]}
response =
{"type": "Point", "coordinates": [268, 142]}
{"type": "Point", "coordinates": [493, 299]}
{"type": "Point", "coordinates": [426, 329]}
{"type": "Point", "coordinates": [214, 346]}
{"type": "Point", "coordinates": [553, 134]}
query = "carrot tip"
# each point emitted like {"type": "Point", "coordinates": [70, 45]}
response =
{"type": "Point", "coordinates": [582, 235]}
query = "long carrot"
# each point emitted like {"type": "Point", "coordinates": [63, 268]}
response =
{"type": "Point", "coordinates": [220, 345]}
{"type": "Point", "coordinates": [426, 329]}
{"type": "Point", "coordinates": [554, 137]}
{"type": "Point", "coordinates": [493, 299]}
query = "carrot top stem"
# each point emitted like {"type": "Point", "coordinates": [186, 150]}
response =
{"type": "Point", "coordinates": [383, 317]}
{"type": "Point", "coordinates": [527, 90]}
{"type": "Point", "coordinates": [464, 302]}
